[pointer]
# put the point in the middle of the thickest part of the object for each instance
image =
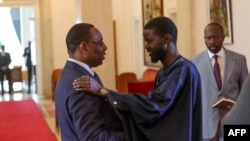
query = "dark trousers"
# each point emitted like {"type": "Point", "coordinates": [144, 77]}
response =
{"type": "Point", "coordinates": [7, 74]}
{"type": "Point", "coordinates": [29, 71]}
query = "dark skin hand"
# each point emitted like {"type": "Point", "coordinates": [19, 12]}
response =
{"type": "Point", "coordinates": [224, 110]}
{"type": "Point", "coordinates": [87, 84]}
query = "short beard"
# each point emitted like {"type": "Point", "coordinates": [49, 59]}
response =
{"type": "Point", "coordinates": [154, 60]}
{"type": "Point", "coordinates": [160, 54]}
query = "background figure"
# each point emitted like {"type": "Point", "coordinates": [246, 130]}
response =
{"type": "Point", "coordinates": [5, 61]}
{"type": "Point", "coordinates": [232, 72]}
{"type": "Point", "coordinates": [27, 54]}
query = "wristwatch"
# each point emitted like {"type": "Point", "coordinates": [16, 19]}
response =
{"type": "Point", "coordinates": [104, 92]}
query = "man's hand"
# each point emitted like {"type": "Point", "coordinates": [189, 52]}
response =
{"type": "Point", "coordinates": [4, 68]}
{"type": "Point", "coordinates": [86, 83]}
{"type": "Point", "coordinates": [224, 110]}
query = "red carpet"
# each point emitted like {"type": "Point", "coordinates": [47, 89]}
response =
{"type": "Point", "coordinates": [23, 121]}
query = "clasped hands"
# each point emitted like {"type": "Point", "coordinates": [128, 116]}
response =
{"type": "Point", "coordinates": [87, 84]}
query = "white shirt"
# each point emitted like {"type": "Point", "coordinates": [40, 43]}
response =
{"type": "Point", "coordinates": [3, 53]}
{"type": "Point", "coordinates": [82, 65]}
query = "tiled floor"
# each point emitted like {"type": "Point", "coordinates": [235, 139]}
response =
{"type": "Point", "coordinates": [20, 95]}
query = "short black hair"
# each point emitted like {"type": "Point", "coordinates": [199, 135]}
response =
{"type": "Point", "coordinates": [162, 26]}
{"type": "Point", "coordinates": [78, 33]}
{"type": "Point", "coordinates": [216, 24]}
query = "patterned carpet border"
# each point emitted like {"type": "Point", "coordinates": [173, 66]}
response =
{"type": "Point", "coordinates": [48, 109]}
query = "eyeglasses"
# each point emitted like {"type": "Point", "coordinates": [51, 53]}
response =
{"type": "Point", "coordinates": [100, 43]}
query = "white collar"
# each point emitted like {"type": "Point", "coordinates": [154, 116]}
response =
{"type": "Point", "coordinates": [82, 64]}
{"type": "Point", "coordinates": [221, 53]}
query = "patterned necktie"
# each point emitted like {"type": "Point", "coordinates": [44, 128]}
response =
{"type": "Point", "coordinates": [217, 72]}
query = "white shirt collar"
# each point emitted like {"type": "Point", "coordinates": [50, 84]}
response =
{"type": "Point", "coordinates": [3, 53]}
{"type": "Point", "coordinates": [221, 53]}
{"type": "Point", "coordinates": [82, 65]}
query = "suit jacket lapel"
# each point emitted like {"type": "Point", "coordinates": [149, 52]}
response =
{"type": "Point", "coordinates": [83, 71]}
{"type": "Point", "coordinates": [97, 78]}
{"type": "Point", "coordinates": [229, 65]}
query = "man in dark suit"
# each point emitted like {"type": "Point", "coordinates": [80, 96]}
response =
{"type": "Point", "coordinates": [27, 54]}
{"type": "Point", "coordinates": [233, 71]}
{"type": "Point", "coordinates": [5, 61]}
{"type": "Point", "coordinates": [81, 116]}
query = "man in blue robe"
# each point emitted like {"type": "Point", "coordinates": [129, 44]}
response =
{"type": "Point", "coordinates": [172, 111]}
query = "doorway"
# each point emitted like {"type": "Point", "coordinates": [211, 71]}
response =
{"type": "Point", "coordinates": [17, 30]}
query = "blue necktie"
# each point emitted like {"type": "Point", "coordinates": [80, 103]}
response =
{"type": "Point", "coordinates": [217, 72]}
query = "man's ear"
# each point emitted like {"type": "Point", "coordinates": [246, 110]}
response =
{"type": "Point", "coordinates": [83, 47]}
{"type": "Point", "coordinates": [167, 38]}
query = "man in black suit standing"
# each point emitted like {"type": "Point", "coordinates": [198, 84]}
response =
{"type": "Point", "coordinates": [27, 54]}
{"type": "Point", "coordinates": [5, 61]}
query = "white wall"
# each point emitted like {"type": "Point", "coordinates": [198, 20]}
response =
{"type": "Point", "coordinates": [122, 16]}
{"type": "Point", "coordinates": [60, 27]}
